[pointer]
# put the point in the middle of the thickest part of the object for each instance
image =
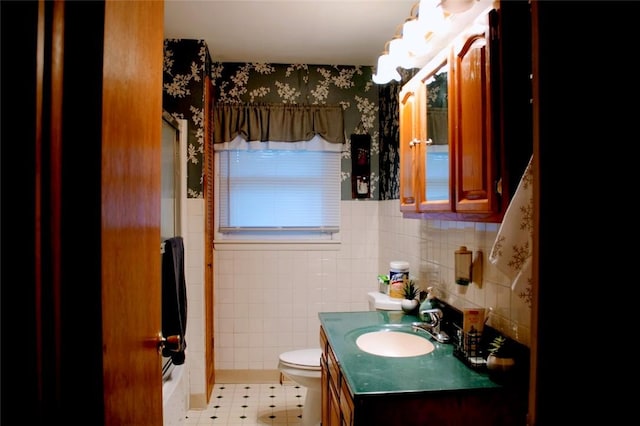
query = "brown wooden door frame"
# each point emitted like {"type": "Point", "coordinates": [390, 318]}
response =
{"type": "Point", "coordinates": [208, 243]}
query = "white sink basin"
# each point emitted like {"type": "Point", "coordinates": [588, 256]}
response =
{"type": "Point", "coordinates": [394, 344]}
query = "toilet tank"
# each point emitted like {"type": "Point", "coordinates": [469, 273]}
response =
{"type": "Point", "coordinates": [382, 302]}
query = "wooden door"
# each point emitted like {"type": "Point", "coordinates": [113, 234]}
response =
{"type": "Point", "coordinates": [85, 84]}
{"type": "Point", "coordinates": [130, 215]}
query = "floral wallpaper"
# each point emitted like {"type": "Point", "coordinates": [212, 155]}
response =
{"type": "Point", "coordinates": [389, 141]}
{"type": "Point", "coordinates": [348, 86]}
{"type": "Point", "coordinates": [186, 63]}
{"type": "Point", "coordinates": [368, 108]}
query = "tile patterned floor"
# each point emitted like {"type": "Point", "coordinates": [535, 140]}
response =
{"type": "Point", "coordinates": [252, 405]}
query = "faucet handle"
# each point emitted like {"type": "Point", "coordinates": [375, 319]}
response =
{"type": "Point", "coordinates": [434, 315]}
{"type": "Point", "coordinates": [442, 337]}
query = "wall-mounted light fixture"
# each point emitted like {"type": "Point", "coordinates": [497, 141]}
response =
{"type": "Point", "coordinates": [429, 23]}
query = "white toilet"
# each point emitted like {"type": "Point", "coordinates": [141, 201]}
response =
{"type": "Point", "coordinates": [303, 367]}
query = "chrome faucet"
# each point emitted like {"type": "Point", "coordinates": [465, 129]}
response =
{"type": "Point", "coordinates": [430, 323]}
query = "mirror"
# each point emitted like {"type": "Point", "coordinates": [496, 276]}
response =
{"type": "Point", "coordinates": [437, 133]}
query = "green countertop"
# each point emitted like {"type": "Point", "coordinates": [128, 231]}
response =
{"type": "Point", "coordinates": [367, 374]}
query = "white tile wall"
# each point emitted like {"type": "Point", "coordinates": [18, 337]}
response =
{"type": "Point", "coordinates": [429, 246]}
{"type": "Point", "coordinates": [267, 302]}
{"type": "Point", "coordinates": [194, 276]}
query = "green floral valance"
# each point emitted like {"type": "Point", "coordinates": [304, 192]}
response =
{"type": "Point", "coordinates": [279, 122]}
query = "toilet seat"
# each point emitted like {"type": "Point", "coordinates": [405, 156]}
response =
{"type": "Point", "coordinates": [304, 359]}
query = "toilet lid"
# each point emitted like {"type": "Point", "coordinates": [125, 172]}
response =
{"type": "Point", "coordinates": [303, 358]}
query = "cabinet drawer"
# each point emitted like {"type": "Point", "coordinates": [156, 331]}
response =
{"type": "Point", "coordinates": [334, 369]}
{"type": "Point", "coordinates": [324, 343]}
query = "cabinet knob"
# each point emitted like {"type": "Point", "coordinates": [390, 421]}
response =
{"type": "Point", "coordinates": [416, 141]}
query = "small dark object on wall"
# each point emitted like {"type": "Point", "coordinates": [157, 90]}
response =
{"type": "Point", "coordinates": [360, 165]}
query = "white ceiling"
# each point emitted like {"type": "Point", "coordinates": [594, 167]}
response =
{"type": "Point", "coordinates": [327, 32]}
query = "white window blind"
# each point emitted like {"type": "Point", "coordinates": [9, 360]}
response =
{"type": "Point", "coordinates": [292, 192]}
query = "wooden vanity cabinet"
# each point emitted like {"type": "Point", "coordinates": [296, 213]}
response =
{"type": "Point", "coordinates": [483, 407]}
{"type": "Point", "coordinates": [337, 406]}
{"type": "Point", "coordinates": [488, 107]}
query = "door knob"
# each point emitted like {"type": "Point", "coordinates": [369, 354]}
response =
{"type": "Point", "coordinates": [172, 343]}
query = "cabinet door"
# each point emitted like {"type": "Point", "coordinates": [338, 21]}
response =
{"type": "Point", "coordinates": [330, 380]}
{"type": "Point", "coordinates": [334, 408]}
{"type": "Point", "coordinates": [324, 382]}
{"type": "Point", "coordinates": [346, 404]}
{"type": "Point", "coordinates": [461, 178]}
{"type": "Point", "coordinates": [411, 174]}
{"type": "Point", "coordinates": [434, 128]}
{"type": "Point", "coordinates": [473, 134]}
{"type": "Point", "coordinates": [330, 400]}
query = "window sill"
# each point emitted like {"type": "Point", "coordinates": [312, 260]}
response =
{"type": "Point", "coordinates": [227, 245]}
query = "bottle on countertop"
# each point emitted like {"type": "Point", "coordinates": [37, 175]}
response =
{"type": "Point", "coordinates": [398, 276]}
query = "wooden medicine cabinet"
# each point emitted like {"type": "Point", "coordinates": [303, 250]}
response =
{"type": "Point", "coordinates": [454, 161]}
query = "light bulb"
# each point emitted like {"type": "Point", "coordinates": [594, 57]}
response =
{"type": "Point", "coordinates": [400, 54]}
{"type": "Point", "coordinates": [386, 70]}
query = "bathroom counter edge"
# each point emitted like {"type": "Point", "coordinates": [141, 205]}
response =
{"type": "Point", "coordinates": [367, 374]}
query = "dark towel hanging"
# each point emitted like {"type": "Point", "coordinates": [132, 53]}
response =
{"type": "Point", "coordinates": [174, 298]}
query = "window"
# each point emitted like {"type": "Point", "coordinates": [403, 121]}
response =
{"type": "Point", "coordinates": [279, 191]}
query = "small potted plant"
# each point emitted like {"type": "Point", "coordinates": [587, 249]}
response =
{"type": "Point", "coordinates": [500, 359]}
{"type": "Point", "coordinates": [411, 292]}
